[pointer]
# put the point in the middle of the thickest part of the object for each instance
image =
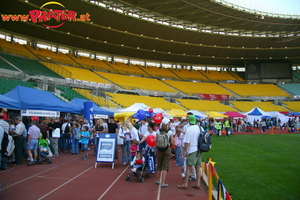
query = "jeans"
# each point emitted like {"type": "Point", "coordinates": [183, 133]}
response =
{"type": "Point", "coordinates": [75, 144]}
{"type": "Point", "coordinates": [178, 155]}
{"type": "Point", "coordinates": [126, 150]}
{"type": "Point", "coordinates": [227, 131]}
{"type": "Point", "coordinates": [3, 161]}
{"type": "Point", "coordinates": [263, 129]}
{"type": "Point", "coordinates": [54, 142]}
{"type": "Point", "coordinates": [18, 149]}
{"type": "Point", "coordinates": [65, 142]}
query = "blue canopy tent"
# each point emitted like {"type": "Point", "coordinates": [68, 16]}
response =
{"type": "Point", "coordinates": [35, 99]}
{"type": "Point", "coordinates": [6, 102]}
{"type": "Point", "coordinates": [78, 103]}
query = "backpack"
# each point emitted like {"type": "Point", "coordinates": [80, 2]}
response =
{"type": "Point", "coordinates": [67, 128]}
{"type": "Point", "coordinates": [77, 134]}
{"type": "Point", "coordinates": [7, 145]}
{"type": "Point", "coordinates": [204, 141]}
{"type": "Point", "coordinates": [162, 142]}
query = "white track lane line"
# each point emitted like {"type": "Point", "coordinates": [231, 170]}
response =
{"type": "Point", "coordinates": [65, 183]}
{"type": "Point", "coordinates": [159, 187]}
{"type": "Point", "coordinates": [113, 183]}
{"type": "Point", "coordinates": [37, 174]}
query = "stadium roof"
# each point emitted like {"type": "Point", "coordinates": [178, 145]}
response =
{"type": "Point", "coordinates": [201, 32]}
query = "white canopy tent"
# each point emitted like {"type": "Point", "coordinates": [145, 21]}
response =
{"type": "Point", "coordinates": [135, 107]}
{"type": "Point", "coordinates": [255, 114]}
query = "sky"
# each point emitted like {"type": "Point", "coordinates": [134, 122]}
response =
{"type": "Point", "coordinates": [291, 7]}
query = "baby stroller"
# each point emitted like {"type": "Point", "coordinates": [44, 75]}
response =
{"type": "Point", "coordinates": [138, 171]}
{"type": "Point", "coordinates": [44, 151]}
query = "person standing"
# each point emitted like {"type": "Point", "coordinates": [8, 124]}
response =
{"type": "Point", "coordinates": [227, 127]}
{"type": "Point", "coordinates": [85, 136]}
{"type": "Point", "coordinates": [18, 140]}
{"type": "Point", "coordinates": [112, 126]}
{"type": "Point", "coordinates": [190, 151]}
{"type": "Point", "coordinates": [75, 138]}
{"type": "Point", "coordinates": [142, 130]}
{"type": "Point", "coordinates": [44, 129]}
{"type": "Point", "coordinates": [163, 157]}
{"type": "Point", "coordinates": [32, 143]}
{"type": "Point", "coordinates": [5, 127]}
{"type": "Point", "coordinates": [54, 140]}
{"type": "Point", "coordinates": [66, 135]}
{"type": "Point", "coordinates": [124, 133]}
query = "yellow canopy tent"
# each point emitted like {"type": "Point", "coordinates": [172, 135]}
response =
{"type": "Point", "coordinates": [214, 114]}
{"type": "Point", "coordinates": [123, 116]}
{"type": "Point", "coordinates": [177, 113]}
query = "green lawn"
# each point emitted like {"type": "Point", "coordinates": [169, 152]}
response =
{"type": "Point", "coordinates": [258, 167]}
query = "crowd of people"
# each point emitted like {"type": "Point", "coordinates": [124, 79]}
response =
{"type": "Point", "coordinates": [72, 135]}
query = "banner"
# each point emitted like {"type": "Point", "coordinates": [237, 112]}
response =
{"type": "Point", "coordinates": [88, 112]}
{"type": "Point", "coordinates": [40, 113]}
{"type": "Point", "coordinates": [213, 96]}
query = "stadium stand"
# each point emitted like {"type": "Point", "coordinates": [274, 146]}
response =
{"type": "Point", "coordinates": [236, 76]}
{"type": "Point", "coordinates": [159, 72]}
{"type": "Point", "coordinates": [101, 101]}
{"type": "Point", "coordinates": [132, 82]}
{"type": "Point", "coordinates": [292, 105]}
{"type": "Point", "coordinates": [30, 67]}
{"type": "Point", "coordinates": [125, 69]}
{"type": "Point", "coordinates": [126, 100]}
{"type": "Point", "coordinates": [296, 77]}
{"type": "Point", "coordinates": [189, 75]}
{"type": "Point", "coordinates": [5, 65]}
{"type": "Point", "coordinates": [246, 106]}
{"type": "Point", "coordinates": [246, 90]}
{"type": "Point", "coordinates": [16, 49]}
{"type": "Point", "coordinates": [217, 76]}
{"type": "Point", "coordinates": [89, 63]}
{"type": "Point", "coordinates": [7, 85]}
{"type": "Point", "coordinates": [69, 93]}
{"type": "Point", "coordinates": [84, 74]}
{"type": "Point", "coordinates": [191, 88]}
{"type": "Point", "coordinates": [292, 88]}
{"type": "Point", "coordinates": [204, 105]}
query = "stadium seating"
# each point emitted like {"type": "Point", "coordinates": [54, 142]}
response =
{"type": "Point", "coordinates": [30, 67]}
{"type": "Point", "coordinates": [246, 106]}
{"type": "Point", "coordinates": [204, 105]}
{"type": "Point", "coordinates": [101, 101]}
{"type": "Point", "coordinates": [126, 100]}
{"type": "Point", "coordinates": [292, 88]}
{"type": "Point", "coordinates": [15, 49]}
{"type": "Point", "coordinates": [89, 63]}
{"type": "Point", "coordinates": [125, 69]}
{"type": "Point", "coordinates": [5, 65]}
{"type": "Point", "coordinates": [84, 74]}
{"type": "Point", "coordinates": [292, 105]}
{"type": "Point", "coordinates": [192, 88]}
{"type": "Point", "coordinates": [69, 93]}
{"type": "Point", "coordinates": [159, 72]}
{"type": "Point", "coordinates": [7, 85]}
{"type": "Point", "coordinates": [296, 77]}
{"type": "Point", "coordinates": [132, 82]}
{"type": "Point", "coordinates": [217, 76]}
{"type": "Point", "coordinates": [189, 75]}
{"type": "Point", "coordinates": [246, 90]}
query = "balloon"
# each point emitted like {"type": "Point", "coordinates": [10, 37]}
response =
{"type": "Point", "coordinates": [157, 118]}
{"type": "Point", "coordinates": [150, 110]}
{"type": "Point", "coordinates": [151, 140]}
{"type": "Point", "coordinates": [141, 114]}
{"type": "Point", "coordinates": [34, 118]}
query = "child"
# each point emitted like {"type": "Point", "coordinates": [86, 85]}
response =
{"type": "Point", "coordinates": [85, 136]}
{"type": "Point", "coordinates": [178, 139]}
{"type": "Point", "coordinates": [134, 148]}
{"type": "Point", "coordinates": [137, 162]}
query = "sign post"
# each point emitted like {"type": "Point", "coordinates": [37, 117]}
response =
{"type": "Point", "coordinates": [106, 148]}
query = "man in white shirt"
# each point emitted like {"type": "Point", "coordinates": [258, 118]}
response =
{"type": "Point", "coordinates": [19, 140]}
{"type": "Point", "coordinates": [190, 151]}
{"type": "Point", "coordinates": [143, 129]}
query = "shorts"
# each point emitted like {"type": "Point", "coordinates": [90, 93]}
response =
{"type": "Point", "coordinates": [33, 144]}
{"type": "Point", "coordinates": [84, 147]}
{"type": "Point", "coordinates": [194, 159]}
{"type": "Point", "coordinates": [163, 159]}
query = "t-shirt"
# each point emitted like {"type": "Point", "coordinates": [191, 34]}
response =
{"type": "Point", "coordinates": [134, 148]}
{"type": "Point", "coordinates": [85, 140]}
{"type": "Point", "coordinates": [191, 136]}
{"type": "Point", "coordinates": [112, 127]}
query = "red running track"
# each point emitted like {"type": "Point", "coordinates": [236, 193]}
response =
{"type": "Point", "coordinates": [69, 177]}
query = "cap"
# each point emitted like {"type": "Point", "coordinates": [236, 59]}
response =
{"type": "Point", "coordinates": [192, 119]}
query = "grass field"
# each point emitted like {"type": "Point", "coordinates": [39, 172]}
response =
{"type": "Point", "coordinates": [258, 167]}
